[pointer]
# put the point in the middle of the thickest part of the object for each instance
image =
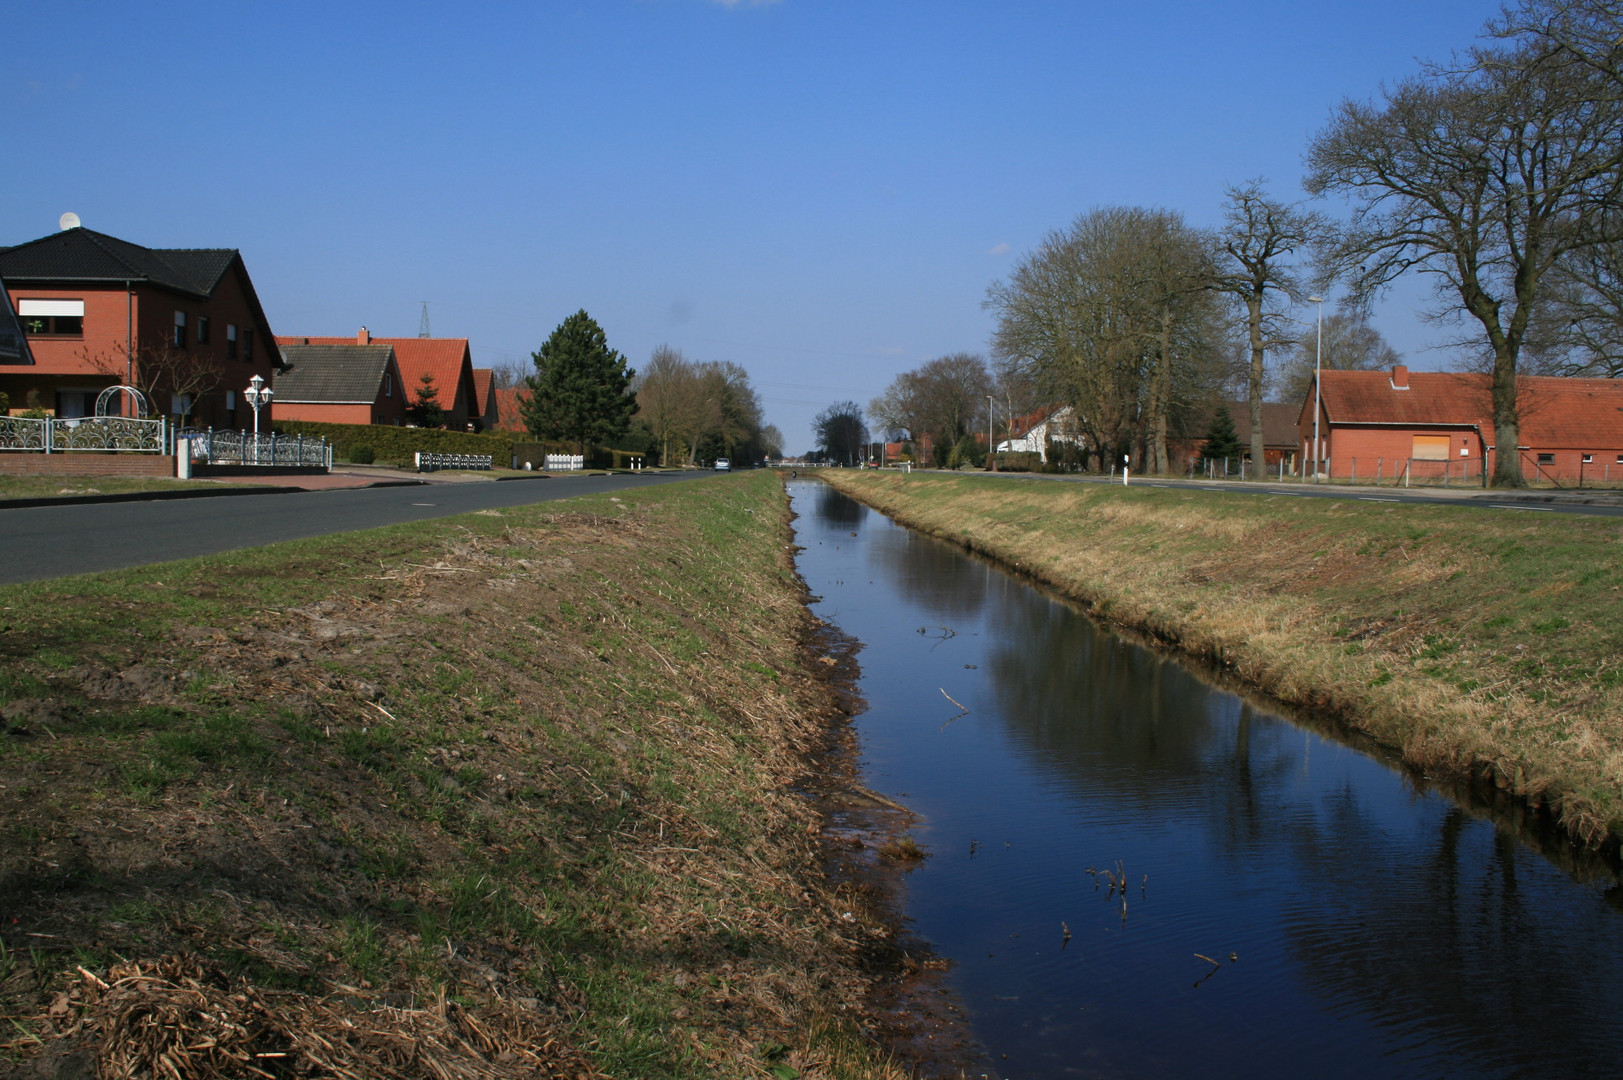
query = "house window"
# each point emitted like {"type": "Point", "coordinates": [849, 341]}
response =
{"type": "Point", "coordinates": [1546, 459]}
{"type": "Point", "coordinates": [202, 329]}
{"type": "Point", "coordinates": [388, 388]}
{"type": "Point", "coordinates": [179, 338]}
{"type": "Point", "coordinates": [1589, 459]}
{"type": "Point", "coordinates": [52, 318]}
{"type": "Point", "coordinates": [247, 346]}
{"type": "Point", "coordinates": [230, 341]}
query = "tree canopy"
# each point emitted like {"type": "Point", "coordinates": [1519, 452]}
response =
{"type": "Point", "coordinates": [942, 401]}
{"type": "Point", "coordinates": [1116, 317]}
{"type": "Point", "coordinates": [841, 432]}
{"type": "Point", "coordinates": [697, 411]}
{"type": "Point", "coordinates": [580, 389]}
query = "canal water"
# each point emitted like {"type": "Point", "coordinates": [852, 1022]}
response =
{"type": "Point", "coordinates": [1137, 874]}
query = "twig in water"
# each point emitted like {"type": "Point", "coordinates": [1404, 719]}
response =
{"type": "Point", "coordinates": [960, 704]}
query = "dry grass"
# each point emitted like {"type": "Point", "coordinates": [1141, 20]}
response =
{"type": "Point", "coordinates": [524, 780]}
{"type": "Point", "coordinates": [1480, 644]}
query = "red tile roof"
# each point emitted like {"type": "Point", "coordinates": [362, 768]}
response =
{"type": "Point", "coordinates": [508, 414]}
{"type": "Point", "coordinates": [482, 380]}
{"type": "Point", "coordinates": [1556, 413]}
{"type": "Point", "coordinates": [444, 359]}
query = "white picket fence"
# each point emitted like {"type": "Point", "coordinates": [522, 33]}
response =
{"type": "Point", "coordinates": [565, 462]}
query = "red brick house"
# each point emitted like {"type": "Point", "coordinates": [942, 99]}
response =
{"type": "Point", "coordinates": [183, 324]}
{"type": "Point", "coordinates": [340, 384]}
{"type": "Point", "coordinates": [1439, 426]}
{"type": "Point", "coordinates": [447, 361]}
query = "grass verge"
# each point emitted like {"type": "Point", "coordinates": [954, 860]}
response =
{"type": "Point", "coordinates": [517, 793]}
{"type": "Point", "coordinates": [1485, 646]}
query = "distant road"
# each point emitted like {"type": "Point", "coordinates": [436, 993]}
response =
{"type": "Point", "coordinates": [78, 538]}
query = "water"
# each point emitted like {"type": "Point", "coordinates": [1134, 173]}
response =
{"type": "Point", "coordinates": [1378, 929]}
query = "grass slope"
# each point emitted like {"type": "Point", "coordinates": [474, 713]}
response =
{"type": "Point", "coordinates": [524, 790]}
{"type": "Point", "coordinates": [1484, 645]}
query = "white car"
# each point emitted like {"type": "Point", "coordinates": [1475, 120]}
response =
{"type": "Point", "coordinates": [723, 465]}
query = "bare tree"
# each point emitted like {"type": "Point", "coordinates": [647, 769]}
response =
{"type": "Point", "coordinates": [1490, 178]}
{"type": "Point", "coordinates": [841, 431]}
{"type": "Point", "coordinates": [1110, 317]}
{"type": "Point", "coordinates": [945, 399]}
{"type": "Point", "coordinates": [1260, 249]}
{"type": "Point", "coordinates": [161, 368]}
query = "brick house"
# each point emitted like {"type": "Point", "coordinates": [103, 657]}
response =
{"type": "Point", "coordinates": [183, 324]}
{"type": "Point", "coordinates": [484, 389]}
{"type": "Point", "coordinates": [340, 384]}
{"type": "Point", "coordinates": [447, 361]}
{"type": "Point", "coordinates": [1439, 426]}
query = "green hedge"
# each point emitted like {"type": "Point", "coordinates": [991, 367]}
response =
{"type": "Point", "coordinates": [396, 445]}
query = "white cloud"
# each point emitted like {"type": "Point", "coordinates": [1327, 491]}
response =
{"type": "Point", "coordinates": [1000, 249]}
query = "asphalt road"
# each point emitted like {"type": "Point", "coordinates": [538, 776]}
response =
{"type": "Point", "coordinates": [76, 538]}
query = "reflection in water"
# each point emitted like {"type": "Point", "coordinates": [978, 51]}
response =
{"type": "Point", "coordinates": [1375, 929]}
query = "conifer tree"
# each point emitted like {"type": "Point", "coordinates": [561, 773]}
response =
{"type": "Point", "coordinates": [1222, 441]}
{"type": "Point", "coordinates": [580, 389]}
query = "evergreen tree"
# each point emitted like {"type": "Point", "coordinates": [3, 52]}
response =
{"type": "Point", "coordinates": [425, 409]}
{"type": "Point", "coordinates": [1222, 441]}
{"type": "Point", "coordinates": [580, 389]}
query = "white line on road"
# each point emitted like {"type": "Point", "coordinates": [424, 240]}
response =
{"type": "Point", "coordinates": [1513, 506]}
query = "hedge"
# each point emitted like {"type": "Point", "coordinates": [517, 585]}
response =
{"type": "Point", "coordinates": [396, 445]}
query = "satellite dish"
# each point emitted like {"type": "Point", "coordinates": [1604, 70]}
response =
{"type": "Point", "coordinates": [69, 220]}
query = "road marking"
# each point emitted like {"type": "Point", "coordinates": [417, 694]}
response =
{"type": "Point", "coordinates": [1375, 498]}
{"type": "Point", "coordinates": [1514, 506]}
{"type": "Point", "coordinates": [425, 504]}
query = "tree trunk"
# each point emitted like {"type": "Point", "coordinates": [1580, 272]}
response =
{"type": "Point", "coordinates": [1253, 306]}
{"type": "Point", "coordinates": [1507, 461]}
{"type": "Point", "coordinates": [1160, 398]}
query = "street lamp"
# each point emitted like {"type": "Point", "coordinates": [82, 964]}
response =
{"type": "Point", "coordinates": [991, 447]}
{"type": "Point", "coordinates": [1318, 360]}
{"type": "Point", "coordinates": [258, 394]}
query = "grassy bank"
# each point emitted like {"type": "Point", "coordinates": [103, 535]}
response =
{"type": "Point", "coordinates": [518, 793]}
{"type": "Point", "coordinates": [1483, 645]}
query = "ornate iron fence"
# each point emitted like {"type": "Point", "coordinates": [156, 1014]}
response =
{"type": "Point", "coordinates": [50, 435]}
{"type": "Point", "coordinates": [220, 447]}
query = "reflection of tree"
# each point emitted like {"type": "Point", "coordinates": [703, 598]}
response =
{"type": "Point", "coordinates": [933, 574]}
{"type": "Point", "coordinates": [1454, 941]}
{"type": "Point", "coordinates": [838, 509]}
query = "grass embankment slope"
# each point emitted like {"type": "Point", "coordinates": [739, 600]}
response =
{"type": "Point", "coordinates": [1484, 645]}
{"type": "Point", "coordinates": [518, 793]}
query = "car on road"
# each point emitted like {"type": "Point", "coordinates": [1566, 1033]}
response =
{"type": "Point", "coordinates": [723, 465]}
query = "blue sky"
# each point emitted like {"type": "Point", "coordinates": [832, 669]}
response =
{"type": "Point", "coordinates": [818, 190]}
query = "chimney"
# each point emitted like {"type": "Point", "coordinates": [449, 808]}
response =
{"type": "Point", "coordinates": [1400, 377]}
{"type": "Point", "coordinates": [364, 337]}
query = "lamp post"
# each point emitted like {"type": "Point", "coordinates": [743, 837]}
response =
{"type": "Point", "coordinates": [258, 395]}
{"type": "Point", "coordinates": [1318, 360]}
{"type": "Point", "coordinates": [992, 447]}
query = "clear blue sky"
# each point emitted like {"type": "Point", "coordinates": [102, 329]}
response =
{"type": "Point", "coordinates": [817, 190]}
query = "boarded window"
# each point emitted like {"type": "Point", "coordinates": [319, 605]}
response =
{"type": "Point", "coordinates": [1430, 448]}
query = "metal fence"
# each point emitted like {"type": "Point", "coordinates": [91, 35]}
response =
{"type": "Point", "coordinates": [429, 462]}
{"type": "Point", "coordinates": [220, 447]}
{"type": "Point", "coordinates": [565, 462]}
{"type": "Point", "coordinates": [51, 435]}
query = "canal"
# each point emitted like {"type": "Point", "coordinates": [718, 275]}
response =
{"type": "Point", "coordinates": [1135, 873]}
